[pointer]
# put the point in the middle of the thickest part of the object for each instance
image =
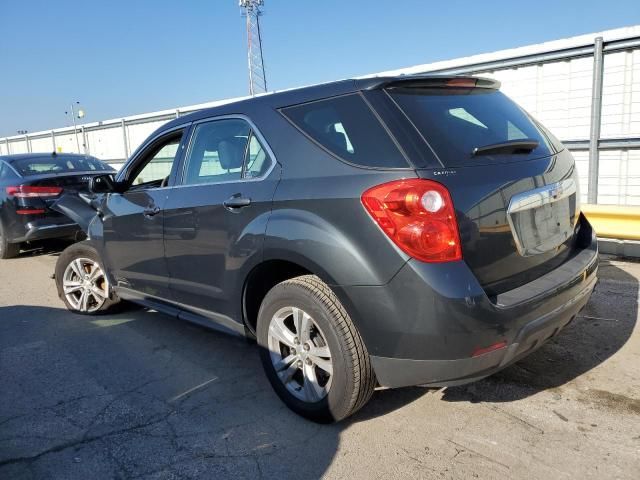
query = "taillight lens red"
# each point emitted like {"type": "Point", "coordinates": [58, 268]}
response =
{"type": "Point", "coordinates": [418, 216]}
{"type": "Point", "coordinates": [30, 211]}
{"type": "Point", "coordinates": [491, 348]}
{"type": "Point", "coordinates": [28, 191]}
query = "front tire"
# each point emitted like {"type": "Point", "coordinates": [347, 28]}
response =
{"type": "Point", "coordinates": [82, 282]}
{"type": "Point", "coordinates": [312, 352]}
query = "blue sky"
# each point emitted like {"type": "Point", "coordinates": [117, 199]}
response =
{"type": "Point", "coordinates": [126, 57]}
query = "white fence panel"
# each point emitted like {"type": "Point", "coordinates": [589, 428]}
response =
{"type": "Point", "coordinates": [66, 143]}
{"type": "Point", "coordinates": [582, 166]}
{"type": "Point", "coordinates": [557, 93]}
{"type": "Point", "coordinates": [42, 145]}
{"type": "Point", "coordinates": [138, 133]}
{"type": "Point", "coordinates": [18, 147]}
{"type": "Point", "coordinates": [106, 144]}
{"type": "Point", "coordinates": [621, 95]}
{"type": "Point", "coordinates": [619, 177]}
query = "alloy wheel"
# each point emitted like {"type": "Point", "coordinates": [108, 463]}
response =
{"type": "Point", "coordinates": [85, 285]}
{"type": "Point", "coordinates": [300, 354]}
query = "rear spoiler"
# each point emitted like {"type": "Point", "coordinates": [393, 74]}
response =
{"type": "Point", "coordinates": [434, 81]}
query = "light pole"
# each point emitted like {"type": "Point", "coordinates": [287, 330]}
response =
{"type": "Point", "coordinates": [73, 117]}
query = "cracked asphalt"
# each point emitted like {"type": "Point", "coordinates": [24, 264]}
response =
{"type": "Point", "coordinates": [141, 395]}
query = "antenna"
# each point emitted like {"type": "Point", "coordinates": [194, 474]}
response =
{"type": "Point", "coordinates": [257, 78]}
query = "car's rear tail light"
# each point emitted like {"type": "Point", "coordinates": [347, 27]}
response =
{"type": "Point", "coordinates": [28, 191]}
{"type": "Point", "coordinates": [418, 216]}
{"type": "Point", "coordinates": [491, 348]}
{"type": "Point", "coordinates": [30, 211]}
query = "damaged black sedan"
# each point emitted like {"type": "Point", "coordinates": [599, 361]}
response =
{"type": "Point", "coordinates": [30, 184]}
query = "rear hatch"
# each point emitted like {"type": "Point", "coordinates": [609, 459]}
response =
{"type": "Point", "coordinates": [514, 187]}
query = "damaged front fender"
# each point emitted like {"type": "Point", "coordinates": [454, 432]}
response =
{"type": "Point", "coordinates": [83, 210]}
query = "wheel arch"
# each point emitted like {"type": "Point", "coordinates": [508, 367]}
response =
{"type": "Point", "coordinates": [262, 278]}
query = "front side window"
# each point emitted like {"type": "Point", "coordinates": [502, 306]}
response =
{"type": "Point", "coordinates": [348, 128]}
{"type": "Point", "coordinates": [155, 167]}
{"type": "Point", "coordinates": [223, 151]}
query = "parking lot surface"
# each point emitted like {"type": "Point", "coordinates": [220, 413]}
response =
{"type": "Point", "coordinates": [142, 395]}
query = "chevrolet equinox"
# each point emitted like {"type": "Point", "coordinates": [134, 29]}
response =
{"type": "Point", "coordinates": [379, 232]}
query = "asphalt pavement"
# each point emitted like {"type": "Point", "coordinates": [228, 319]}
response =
{"type": "Point", "coordinates": [142, 395]}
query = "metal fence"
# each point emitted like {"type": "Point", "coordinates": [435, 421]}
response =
{"type": "Point", "coordinates": [586, 90]}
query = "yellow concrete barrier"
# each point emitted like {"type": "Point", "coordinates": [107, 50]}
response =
{"type": "Point", "coordinates": [610, 221]}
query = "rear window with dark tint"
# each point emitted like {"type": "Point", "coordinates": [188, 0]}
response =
{"type": "Point", "coordinates": [456, 120]}
{"type": "Point", "coordinates": [347, 127]}
{"type": "Point", "coordinates": [58, 164]}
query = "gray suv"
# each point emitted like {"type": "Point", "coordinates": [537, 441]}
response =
{"type": "Point", "coordinates": [396, 231]}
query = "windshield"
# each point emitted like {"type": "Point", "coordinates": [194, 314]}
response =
{"type": "Point", "coordinates": [456, 121]}
{"type": "Point", "coordinates": [58, 164]}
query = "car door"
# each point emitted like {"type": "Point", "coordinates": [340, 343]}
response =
{"type": "Point", "coordinates": [215, 219]}
{"type": "Point", "coordinates": [133, 219]}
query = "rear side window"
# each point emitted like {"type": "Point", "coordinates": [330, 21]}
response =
{"type": "Point", "coordinates": [348, 128]}
{"type": "Point", "coordinates": [455, 121]}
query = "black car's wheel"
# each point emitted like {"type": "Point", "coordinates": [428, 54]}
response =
{"type": "Point", "coordinates": [7, 250]}
{"type": "Point", "coordinates": [312, 352]}
{"type": "Point", "coordinates": [82, 283]}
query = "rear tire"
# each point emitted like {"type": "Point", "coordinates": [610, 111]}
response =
{"type": "Point", "coordinates": [7, 250]}
{"type": "Point", "coordinates": [304, 333]}
{"type": "Point", "coordinates": [82, 282]}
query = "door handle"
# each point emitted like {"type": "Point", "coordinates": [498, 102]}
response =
{"type": "Point", "coordinates": [236, 202]}
{"type": "Point", "coordinates": [151, 210]}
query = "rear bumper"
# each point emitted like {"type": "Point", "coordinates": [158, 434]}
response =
{"type": "Point", "coordinates": [45, 229]}
{"type": "Point", "coordinates": [397, 372]}
{"type": "Point", "coordinates": [423, 327]}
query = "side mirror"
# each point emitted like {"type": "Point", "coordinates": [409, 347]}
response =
{"type": "Point", "coordinates": [102, 184]}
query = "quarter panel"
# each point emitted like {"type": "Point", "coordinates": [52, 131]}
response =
{"type": "Point", "coordinates": [320, 223]}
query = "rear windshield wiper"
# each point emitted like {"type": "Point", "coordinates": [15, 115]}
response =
{"type": "Point", "coordinates": [524, 145]}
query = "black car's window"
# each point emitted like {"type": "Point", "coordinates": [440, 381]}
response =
{"type": "Point", "coordinates": [348, 128]}
{"type": "Point", "coordinates": [6, 173]}
{"type": "Point", "coordinates": [154, 169]}
{"type": "Point", "coordinates": [457, 120]}
{"type": "Point", "coordinates": [224, 150]}
{"type": "Point", "coordinates": [58, 164]}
